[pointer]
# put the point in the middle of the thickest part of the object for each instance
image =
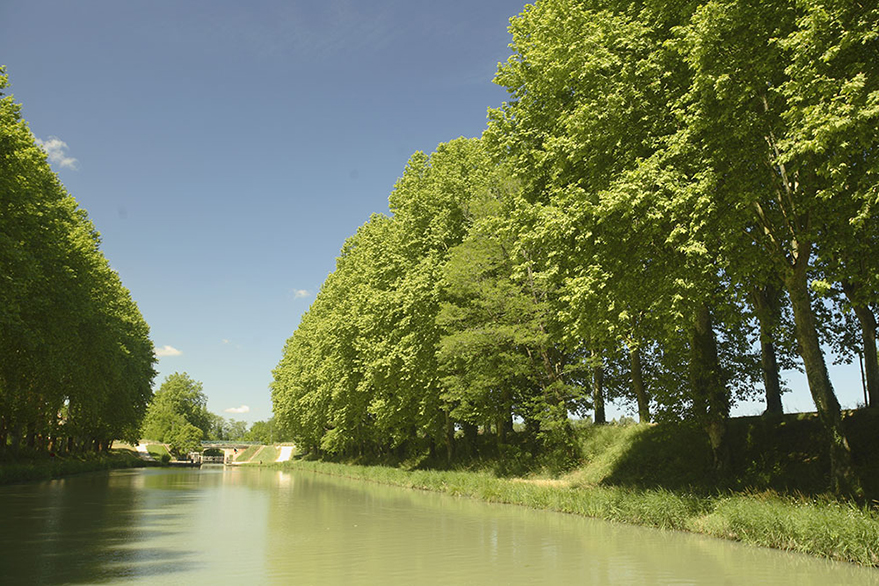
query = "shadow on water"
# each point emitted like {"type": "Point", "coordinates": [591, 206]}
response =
{"type": "Point", "coordinates": [86, 530]}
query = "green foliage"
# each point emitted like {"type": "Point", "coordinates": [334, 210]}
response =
{"type": "Point", "coordinates": [265, 432]}
{"type": "Point", "coordinates": [220, 428]}
{"type": "Point", "coordinates": [360, 372]}
{"type": "Point", "coordinates": [179, 406]}
{"type": "Point", "coordinates": [44, 467]}
{"type": "Point", "coordinates": [184, 438]}
{"type": "Point", "coordinates": [647, 219]}
{"type": "Point", "coordinates": [78, 361]}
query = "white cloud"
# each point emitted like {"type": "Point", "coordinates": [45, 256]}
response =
{"type": "Point", "coordinates": [56, 150]}
{"type": "Point", "coordinates": [300, 293]}
{"type": "Point", "coordinates": [242, 409]}
{"type": "Point", "coordinates": [167, 351]}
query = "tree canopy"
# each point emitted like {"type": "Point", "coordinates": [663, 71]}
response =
{"type": "Point", "coordinates": [77, 362]}
{"type": "Point", "coordinates": [666, 211]}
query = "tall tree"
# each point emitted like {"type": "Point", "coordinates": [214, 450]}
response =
{"type": "Point", "coordinates": [179, 403]}
{"type": "Point", "coordinates": [78, 361]}
{"type": "Point", "coordinates": [748, 111]}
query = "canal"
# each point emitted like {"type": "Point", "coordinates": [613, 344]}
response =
{"type": "Point", "coordinates": [257, 526]}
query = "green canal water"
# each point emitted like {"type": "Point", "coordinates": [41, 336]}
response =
{"type": "Point", "coordinates": [256, 526]}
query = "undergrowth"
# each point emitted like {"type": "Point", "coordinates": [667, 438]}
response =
{"type": "Point", "coordinates": [26, 469]}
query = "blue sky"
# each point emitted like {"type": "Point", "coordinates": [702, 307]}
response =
{"type": "Point", "coordinates": [225, 150]}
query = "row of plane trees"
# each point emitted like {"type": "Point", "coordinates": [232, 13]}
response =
{"type": "Point", "coordinates": [678, 200]}
{"type": "Point", "coordinates": [76, 360]}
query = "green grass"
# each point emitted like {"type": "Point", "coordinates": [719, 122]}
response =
{"type": "Point", "coordinates": [267, 456]}
{"type": "Point", "coordinates": [836, 530]}
{"type": "Point", "coordinates": [42, 467]}
{"type": "Point", "coordinates": [247, 454]}
{"type": "Point", "coordinates": [786, 455]}
{"type": "Point", "coordinates": [157, 450]}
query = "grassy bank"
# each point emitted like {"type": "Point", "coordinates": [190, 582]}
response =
{"type": "Point", "coordinates": [42, 467]}
{"type": "Point", "coordinates": [787, 455]}
{"type": "Point", "coordinates": [247, 454]}
{"type": "Point", "coordinates": [662, 476]}
{"type": "Point", "coordinates": [157, 451]}
{"type": "Point", "coordinates": [267, 455]}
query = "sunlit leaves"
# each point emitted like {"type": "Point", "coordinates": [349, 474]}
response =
{"type": "Point", "coordinates": [77, 358]}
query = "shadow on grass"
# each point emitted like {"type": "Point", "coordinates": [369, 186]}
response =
{"type": "Point", "coordinates": [787, 454]}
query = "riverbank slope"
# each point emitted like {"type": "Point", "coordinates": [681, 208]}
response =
{"type": "Point", "coordinates": [28, 468]}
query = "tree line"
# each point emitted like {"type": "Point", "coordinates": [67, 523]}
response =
{"type": "Point", "coordinates": [76, 360]}
{"type": "Point", "coordinates": [178, 416]}
{"type": "Point", "coordinates": [678, 200]}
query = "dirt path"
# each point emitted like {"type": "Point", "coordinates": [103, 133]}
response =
{"type": "Point", "coordinates": [144, 453]}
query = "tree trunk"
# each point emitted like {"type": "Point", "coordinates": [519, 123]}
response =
{"type": "Point", "coordinates": [868, 336]}
{"type": "Point", "coordinates": [871, 362]}
{"type": "Point", "coordinates": [505, 421]}
{"type": "Point", "coordinates": [449, 436]}
{"type": "Point", "coordinates": [771, 381]}
{"type": "Point", "coordinates": [766, 306]}
{"type": "Point", "coordinates": [471, 433]}
{"type": "Point", "coordinates": [710, 396]}
{"type": "Point", "coordinates": [842, 476]}
{"type": "Point", "coordinates": [598, 392]}
{"type": "Point", "coordinates": [15, 433]}
{"type": "Point", "coordinates": [638, 384]}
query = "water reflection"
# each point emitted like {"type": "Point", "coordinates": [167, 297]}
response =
{"type": "Point", "coordinates": [78, 531]}
{"type": "Point", "coordinates": [356, 532]}
{"type": "Point", "coordinates": [262, 526]}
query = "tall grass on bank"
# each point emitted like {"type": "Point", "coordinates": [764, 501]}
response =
{"type": "Point", "coordinates": [833, 529]}
{"type": "Point", "coordinates": [821, 527]}
{"type": "Point", "coordinates": [45, 468]}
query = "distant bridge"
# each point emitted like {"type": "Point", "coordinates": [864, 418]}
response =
{"type": "Point", "coordinates": [228, 445]}
{"type": "Point", "coordinates": [231, 448]}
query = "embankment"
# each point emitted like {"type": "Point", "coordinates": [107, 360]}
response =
{"type": "Point", "coordinates": [44, 467]}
